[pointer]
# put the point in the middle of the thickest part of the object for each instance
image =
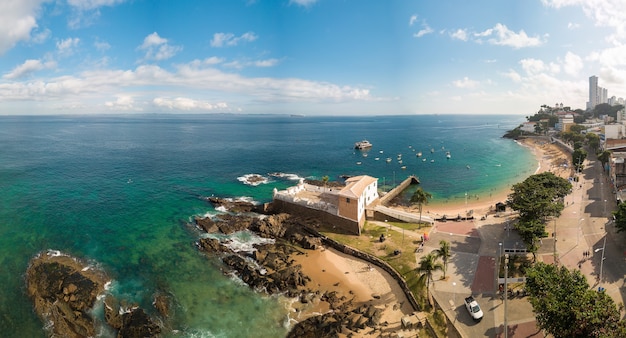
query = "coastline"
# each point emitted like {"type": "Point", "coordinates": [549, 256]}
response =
{"type": "Point", "coordinates": [549, 157]}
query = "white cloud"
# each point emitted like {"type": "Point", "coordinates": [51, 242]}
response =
{"type": "Point", "coordinates": [459, 34]}
{"type": "Point", "coordinates": [465, 83]}
{"type": "Point", "coordinates": [605, 13]}
{"type": "Point", "coordinates": [92, 4]}
{"type": "Point", "coordinates": [425, 28]}
{"type": "Point", "coordinates": [123, 102]}
{"type": "Point", "coordinates": [157, 48]}
{"type": "Point", "coordinates": [40, 37]}
{"type": "Point", "coordinates": [573, 64]}
{"type": "Point", "coordinates": [229, 39]}
{"type": "Point", "coordinates": [187, 104]}
{"type": "Point", "coordinates": [101, 45]}
{"type": "Point", "coordinates": [572, 26]}
{"type": "Point", "coordinates": [513, 75]}
{"type": "Point", "coordinates": [423, 31]}
{"type": "Point", "coordinates": [502, 36]}
{"type": "Point", "coordinates": [17, 21]}
{"type": "Point", "coordinates": [304, 3]}
{"type": "Point", "coordinates": [66, 47]}
{"type": "Point", "coordinates": [198, 75]}
{"type": "Point", "coordinates": [258, 63]}
{"type": "Point", "coordinates": [27, 68]}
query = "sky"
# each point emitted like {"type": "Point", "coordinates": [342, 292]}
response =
{"type": "Point", "coordinates": [310, 57]}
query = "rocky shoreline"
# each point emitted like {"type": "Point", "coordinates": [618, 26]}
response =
{"type": "Point", "coordinates": [271, 268]}
{"type": "Point", "coordinates": [65, 291]}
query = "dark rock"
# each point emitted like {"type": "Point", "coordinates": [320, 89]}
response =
{"type": "Point", "coordinates": [272, 226]}
{"type": "Point", "coordinates": [64, 291]}
{"type": "Point", "coordinates": [211, 245]}
{"type": "Point", "coordinates": [207, 224]}
{"type": "Point", "coordinates": [137, 324]}
{"type": "Point", "coordinates": [112, 312]}
{"type": "Point", "coordinates": [162, 303]}
{"type": "Point", "coordinates": [229, 224]}
{"type": "Point", "coordinates": [232, 205]}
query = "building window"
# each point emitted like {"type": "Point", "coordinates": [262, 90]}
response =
{"type": "Point", "coordinates": [347, 200]}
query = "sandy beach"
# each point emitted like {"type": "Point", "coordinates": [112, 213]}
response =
{"type": "Point", "coordinates": [549, 158]}
{"type": "Point", "coordinates": [331, 270]}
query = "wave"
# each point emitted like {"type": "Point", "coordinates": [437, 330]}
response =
{"type": "Point", "coordinates": [291, 177]}
{"type": "Point", "coordinates": [242, 241]}
{"type": "Point", "coordinates": [253, 179]}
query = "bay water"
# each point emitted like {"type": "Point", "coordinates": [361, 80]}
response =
{"type": "Point", "coordinates": [121, 191]}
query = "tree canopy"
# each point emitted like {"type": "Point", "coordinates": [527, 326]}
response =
{"type": "Point", "coordinates": [539, 196]}
{"type": "Point", "coordinates": [620, 217]}
{"type": "Point", "coordinates": [566, 307]}
{"type": "Point", "coordinates": [578, 158]}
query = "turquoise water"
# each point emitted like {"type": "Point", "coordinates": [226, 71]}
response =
{"type": "Point", "coordinates": [120, 190]}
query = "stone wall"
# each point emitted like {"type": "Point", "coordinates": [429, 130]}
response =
{"type": "Point", "coordinates": [340, 224]}
{"type": "Point", "coordinates": [398, 190]}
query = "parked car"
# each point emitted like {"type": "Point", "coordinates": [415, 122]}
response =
{"type": "Point", "coordinates": [473, 308]}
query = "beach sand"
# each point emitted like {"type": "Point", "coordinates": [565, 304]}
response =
{"type": "Point", "coordinates": [331, 270]}
{"type": "Point", "coordinates": [549, 157]}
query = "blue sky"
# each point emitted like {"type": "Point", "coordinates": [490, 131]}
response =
{"type": "Point", "coordinates": [313, 57]}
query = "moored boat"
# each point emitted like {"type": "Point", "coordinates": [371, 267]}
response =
{"type": "Point", "coordinates": [365, 144]}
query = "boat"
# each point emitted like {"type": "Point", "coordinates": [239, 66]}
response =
{"type": "Point", "coordinates": [419, 154]}
{"type": "Point", "coordinates": [432, 161]}
{"type": "Point", "coordinates": [498, 165]}
{"type": "Point", "coordinates": [365, 144]}
{"type": "Point", "coordinates": [388, 159]}
{"type": "Point", "coordinates": [364, 154]}
{"type": "Point", "coordinates": [358, 163]}
{"type": "Point", "coordinates": [403, 167]}
{"type": "Point", "coordinates": [377, 158]}
{"type": "Point", "coordinates": [400, 161]}
{"type": "Point", "coordinates": [423, 160]}
{"type": "Point", "coordinates": [448, 154]}
{"type": "Point", "coordinates": [467, 166]}
{"type": "Point", "coordinates": [432, 150]}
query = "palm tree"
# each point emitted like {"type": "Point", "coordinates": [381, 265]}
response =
{"type": "Point", "coordinates": [444, 253]}
{"type": "Point", "coordinates": [325, 180]}
{"type": "Point", "coordinates": [428, 264]}
{"type": "Point", "coordinates": [421, 197]}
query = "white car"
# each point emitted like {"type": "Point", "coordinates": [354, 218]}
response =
{"type": "Point", "coordinates": [473, 308]}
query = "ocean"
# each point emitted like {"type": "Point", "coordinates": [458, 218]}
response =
{"type": "Point", "coordinates": [121, 191]}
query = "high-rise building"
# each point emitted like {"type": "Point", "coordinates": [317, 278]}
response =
{"type": "Point", "coordinates": [593, 92]}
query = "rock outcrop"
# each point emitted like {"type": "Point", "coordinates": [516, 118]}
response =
{"type": "Point", "coordinates": [63, 291]}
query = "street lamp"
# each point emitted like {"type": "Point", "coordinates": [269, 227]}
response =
{"type": "Point", "coordinates": [579, 231]}
{"type": "Point", "coordinates": [604, 207]}
{"type": "Point", "coordinates": [506, 292]}
{"type": "Point", "coordinates": [602, 259]}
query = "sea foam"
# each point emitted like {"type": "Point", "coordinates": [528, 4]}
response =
{"type": "Point", "coordinates": [253, 179]}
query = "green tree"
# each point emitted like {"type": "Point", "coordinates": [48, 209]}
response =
{"type": "Point", "coordinates": [444, 253]}
{"type": "Point", "coordinates": [577, 128]}
{"type": "Point", "coordinates": [427, 265]}
{"type": "Point", "coordinates": [539, 196]}
{"type": "Point", "coordinates": [604, 157]}
{"type": "Point", "coordinates": [530, 230]}
{"type": "Point", "coordinates": [578, 158]}
{"type": "Point", "coordinates": [421, 197]}
{"type": "Point", "coordinates": [593, 140]}
{"type": "Point", "coordinates": [620, 217]}
{"type": "Point", "coordinates": [325, 180]}
{"type": "Point", "coordinates": [564, 305]}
